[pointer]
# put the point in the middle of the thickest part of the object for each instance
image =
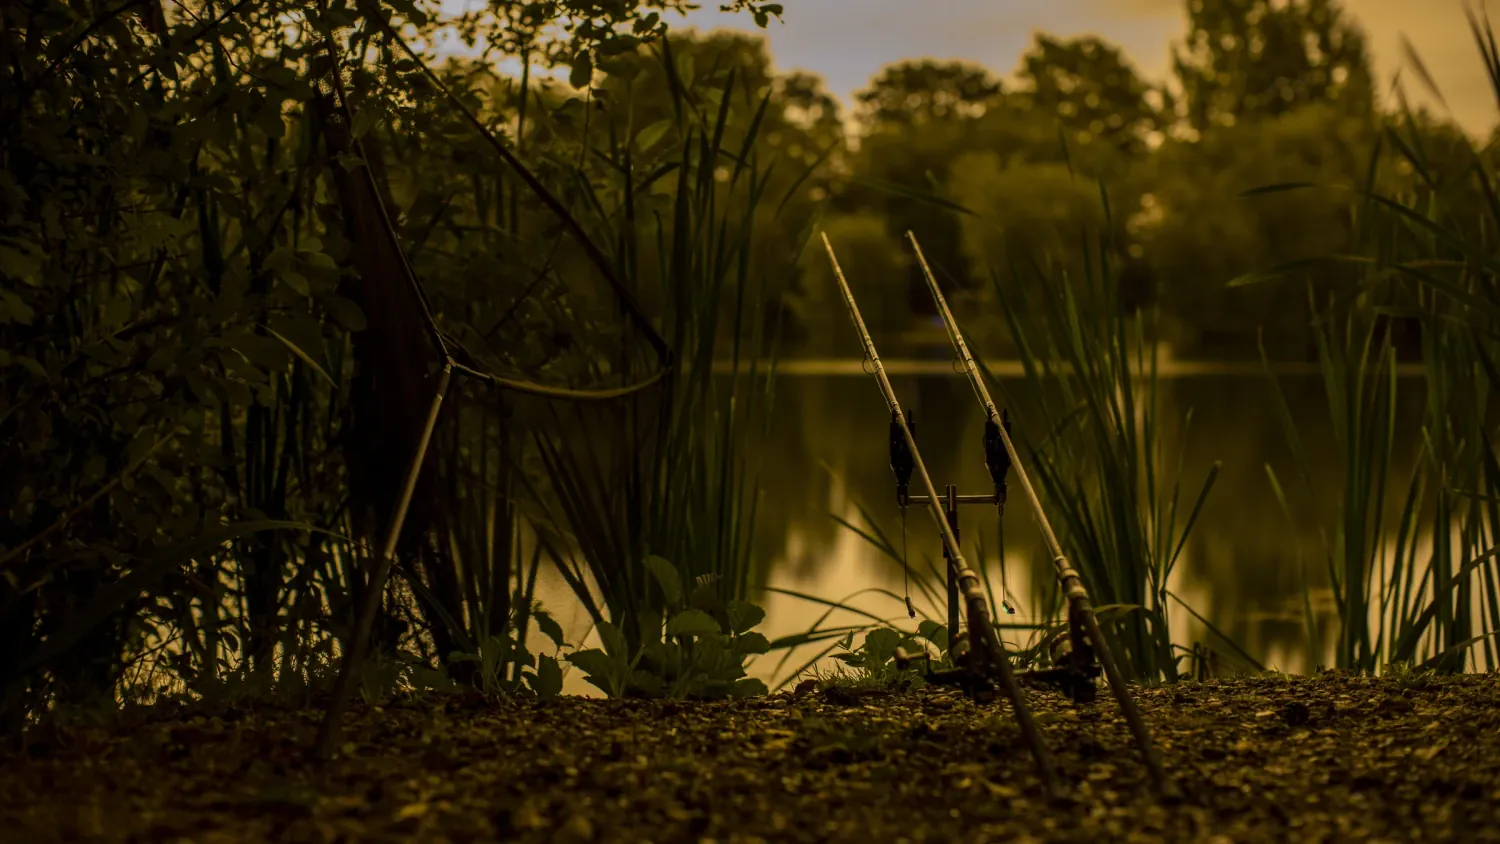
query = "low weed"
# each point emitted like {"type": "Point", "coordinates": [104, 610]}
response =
{"type": "Point", "coordinates": [696, 648]}
{"type": "Point", "coordinates": [872, 665]}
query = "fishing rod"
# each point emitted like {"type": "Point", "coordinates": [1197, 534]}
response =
{"type": "Point", "coordinates": [1086, 640]}
{"type": "Point", "coordinates": [985, 650]}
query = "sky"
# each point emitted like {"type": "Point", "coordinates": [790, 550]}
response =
{"type": "Point", "coordinates": [847, 42]}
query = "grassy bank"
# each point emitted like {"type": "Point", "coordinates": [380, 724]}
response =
{"type": "Point", "coordinates": [1331, 757]}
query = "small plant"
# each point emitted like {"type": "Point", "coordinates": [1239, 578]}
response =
{"type": "Point", "coordinates": [697, 648]}
{"type": "Point", "coordinates": [499, 656]}
{"type": "Point", "coordinates": [872, 665]}
{"type": "Point", "coordinates": [379, 678]}
{"type": "Point", "coordinates": [1409, 675]}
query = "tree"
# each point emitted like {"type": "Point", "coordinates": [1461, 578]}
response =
{"type": "Point", "coordinates": [916, 93]}
{"type": "Point", "coordinates": [810, 108]}
{"type": "Point", "coordinates": [1261, 58]}
{"type": "Point", "coordinates": [1199, 232]}
{"type": "Point", "coordinates": [874, 261]}
{"type": "Point", "coordinates": [1093, 91]}
{"type": "Point", "coordinates": [914, 119]}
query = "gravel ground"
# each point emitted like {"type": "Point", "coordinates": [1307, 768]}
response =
{"type": "Point", "coordinates": [1333, 757]}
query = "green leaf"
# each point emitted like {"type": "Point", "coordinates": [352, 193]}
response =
{"type": "Point", "coordinates": [647, 137]}
{"type": "Point", "coordinates": [303, 355]}
{"type": "Point", "coordinates": [13, 309]}
{"type": "Point", "coordinates": [262, 351]}
{"type": "Point", "coordinates": [618, 44]}
{"type": "Point", "coordinates": [20, 265]}
{"type": "Point", "coordinates": [705, 594]}
{"type": "Point", "coordinates": [647, 682]}
{"type": "Point", "coordinates": [743, 616]}
{"type": "Point", "coordinates": [714, 656]}
{"type": "Point", "coordinates": [666, 575]}
{"type": "Point", "coordinates": [935, 633]}
{"type": "Point", "coordinates": [1111, 612]}
{"type": "Point", "coordinates": [649, 624]}
{"type": "Point", "coordinates": [162, 358]}
{"type": "Point", "coordinates": [751, 643]}
{"type": "Point", "coordinates": [344, 311]}
{"type": "Point", "coordinates": [623, 68]}
{"type": "Point", "coordinates": [226, 305]}
{"type": "Point", "coordinates": [1273, 273]}
{"type": "Point", "coordinates": [693, 623]}
{"type": "Point", "coordinates": [881, 644]}
{"type": "Point", "coordinates": [1281, 187]}
{"type": "Point", "coordinates": [364, 121]}
{"type": "Point", "coordinates": [549, 627]}
{"type": "Point", "coordinates": [583, 70]}
{"type": "Point", "coordinates": [281, 258]}
{"type": "Point", "coordinates": [750, 687]}
{"type": "Point", "coordinates": [31, 365]}
{"type": "Point", "coordinates": [912, 193]}
{"type": "Point", "coordinates": [614, 641]}
{"type": "Point", "coordinates": [548, 680]}
{"type": "Point", "coordinates": [599, 668]}
{"type": "Point", "coordinates": [295, 280]}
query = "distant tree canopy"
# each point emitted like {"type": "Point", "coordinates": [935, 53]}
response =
{"type": "Point", "coordinates": [918, 93]}
{"type": "Point", "coordinates": [1260, 58]}
{"type": "Point", "coordinates": [1093, 90]}
{"type": "Point", "coordinates": [1261, 92]}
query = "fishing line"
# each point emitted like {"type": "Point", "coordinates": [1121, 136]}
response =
{"type": "Point", "coordinates": [911, 611]}
{"type": "Point", "coordinates": [1004, 586]}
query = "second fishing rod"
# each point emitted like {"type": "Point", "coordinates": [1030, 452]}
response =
{"type": "Point", "coordinates": [1086, 638]}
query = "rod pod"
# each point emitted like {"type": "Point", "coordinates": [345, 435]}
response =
{"type": "Point", "coordinates": [985, 648]}
{"type": "Point", "coordinates": [1083, 623]}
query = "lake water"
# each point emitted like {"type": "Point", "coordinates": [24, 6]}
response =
{"type": "Point", "coordinates": [1244, 566]}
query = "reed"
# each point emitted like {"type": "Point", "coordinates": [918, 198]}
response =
{"type": "Point", "coordinates": [671, 474]}
{"type": "Point", "coordinates": [1100, 449]}
{"type": "Point", "coordinates": [1412, 560]}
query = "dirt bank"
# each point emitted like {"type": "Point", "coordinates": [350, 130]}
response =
{"type": "Point", "coordinates": [1326, 758]}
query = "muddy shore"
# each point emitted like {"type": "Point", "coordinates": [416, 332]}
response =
{"type": "Point", "coordinates": [1332, 757]}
